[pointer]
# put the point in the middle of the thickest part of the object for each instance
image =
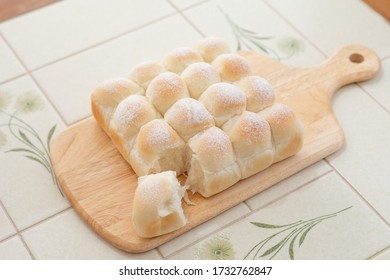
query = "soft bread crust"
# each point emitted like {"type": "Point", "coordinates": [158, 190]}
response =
{"type": "Point", "coordinates": [158, 148]}
{"type": "Point", "coordinates": [165, 90]}
{"type": "Point", "coordinates": [259, 93]}
{"type": "Point", "coordinates": [198, 77]}
{"type": "Point", "coordinates": [130, 115]}
{"type": "Point", "coordinates": [107, 95]}
{"type": "Point", "coordinates": [213, 166]}
{"type": "Point", "coordinates": [146, 71]}
{"type": "Point", "coordinates": [178, 59]}
{"type": "Point", "coordinates": [157, 205]}
{"type": "Point", "coordinates": [251, 138]}
{"type": "Point", "coordinates": [223, 101]}
{"type": "Point", "coordinates": [232, 67]}
{"type": "Point", "coordinates": [287, 130]}
{"type": "Point", "coordinates": [211, 47]}
{"type": "Point", "coordinates": [188, 117]}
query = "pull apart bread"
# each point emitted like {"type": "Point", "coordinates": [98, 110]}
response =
{"type": "Point", "coordinates": [200, 112]}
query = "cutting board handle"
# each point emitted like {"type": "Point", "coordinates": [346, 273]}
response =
{"type": "Point", "coordinates": [351, 64]}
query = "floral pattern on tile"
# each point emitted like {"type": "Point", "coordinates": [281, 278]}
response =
{"type": "Point", "coordinates": [28, 187]}
{"type": "Point", "coordinates": [218, 247]}
{"type": "Point", "coordinates": [203, 230]}
{"type": "Point", "coordinates": [286, 236]}
{"type": "Point", "coordinates": [332, 24]}
{"type": "Point", "coordinates": [248, 39]}
{"type": "Point", "coordinates": [322, 220]}
{"type": "Point", "coordinates": [258, 28]}
{"type": "Point", "coordinates": [30, 143]}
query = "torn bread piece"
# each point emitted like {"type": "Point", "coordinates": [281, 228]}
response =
{"type": "Point", "coordinates": [158, 148]}
{"type": "Point", "coordinates": [157, 206]}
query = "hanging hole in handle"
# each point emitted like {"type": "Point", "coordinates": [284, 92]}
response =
{"type": "Point", "coordinates": [356, 58]}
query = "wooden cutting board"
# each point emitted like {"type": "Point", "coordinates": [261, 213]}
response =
{"type": "Point", "coordinates": [100, 184]}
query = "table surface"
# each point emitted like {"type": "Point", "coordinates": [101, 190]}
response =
{"type": "Point", "coordinates": [52, 57]}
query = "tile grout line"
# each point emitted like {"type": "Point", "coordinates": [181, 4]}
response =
{"type": "Point", "coordinates": [358, 193]}
{"type": "Point", "coordinates": [251, 211]}
{"type": "Point", "coordinates": [380, 252]}
{"type": "Point", "coordinates": [29, 74]}
{"type": "Point", "coordinates": [377, 102]}
{"type": "Point", "coordinates": [46, 219]}
{"type": "Point", "coordinates": [295, 28]}
{"type": "Point", "coordinates": [323, 53]}
{"type": "Point", "coordinates": [292, 191]}
{"type": "Point", "coordinates": [18, 233]}
{"type": "Point", "coordinates": [180, 12]}
{"type": "Point", "coordinates": [105, 41]}
{"type": "Point", "coordinates": [13, 78]}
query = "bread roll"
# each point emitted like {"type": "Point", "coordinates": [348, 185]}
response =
{"type": "Point", "coordinates": [164, 90]}
{"type": "Point", "coordinates": [212, 166]}
{"type": "Point", "coordinates": [158, 148]}
{"type": "Point", "coordinates": [143, 73]}
{"type": "Point", "coordinates": [157, 205]}
{"type": "Point", "coordinates": [223, 101]}
{"type": "Point", "coordinates": [188, 117]}
{"type": "Point", "coordinates": [251, 138]}
{"type": "Point", "coordinates": [232, 67]}
{"type": "Point", "coordinates": [259, 93]}
{"type": "Point", "coordinates": [198, 77]}
{"type": "Point", "coordinates": [178, 59]}
{"type": "Point", "coordinates": [211, 47]}
{"type": "Point", "coordinates": [106, 97]}
{"type": "Point", "coordinates": [133, 112]}
{"type": "Point", "coordinates": [287, 130]}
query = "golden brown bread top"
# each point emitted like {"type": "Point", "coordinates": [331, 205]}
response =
{"type": "Point", "coordinates": [188, 117]}
{"type": "Point", "coordinates": [198, 77]}
{"type": "Point", "coordinates": [178, 59]}
{"type": "Point", "coordinates": [144, 72]}
{"type": "Point", "coordinates": [211, 47]}
{"type": "Point", "coordinates": [232, 67]}
{"type": "Point", "coordinates": [165, 90]}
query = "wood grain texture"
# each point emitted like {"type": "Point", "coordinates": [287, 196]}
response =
{"type": "Point", "coordinates": [100, 184]}
{"type": "Point", "coordinates": [381, 6]}
{"type": "Point", "coordinates": [13, 8]}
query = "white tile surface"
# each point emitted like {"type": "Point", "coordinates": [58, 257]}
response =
{"type": "Point", "coordinates": [203, 230]}
{"type": "Point", "coordinates": [77, 44]}
{"type": "Point", "coordinates": [26, 188]}
{"type": "Point", "coordinates": [70, 82]}
{"type": "Point", "coordinates": [365, 159]}
{"type": "Point", "coordinates": [339, 236]}
{"type": "Point", "coordinates": [385, 255]}
{"type": "Point", "coordinates": [283, 43]}
{"type": "Point", "coordinates": [183, 4]}
{"type": "Point", "coordinates": [331, 24]}
{"type": "Point", "coordinates": [6, 228]}
{"type": "Point", "coordinates": [9, 65]}
{"type": "Point", "coordinates": [288, 185]}
{"type": "Point", "coordinates": [13, 249]}
{"type": "Point", "coordinates": [69, 26]}
{"type": "Point", "coordinates": [66, 236]}
{"type": "Point", "coordinates": [379, 86]}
